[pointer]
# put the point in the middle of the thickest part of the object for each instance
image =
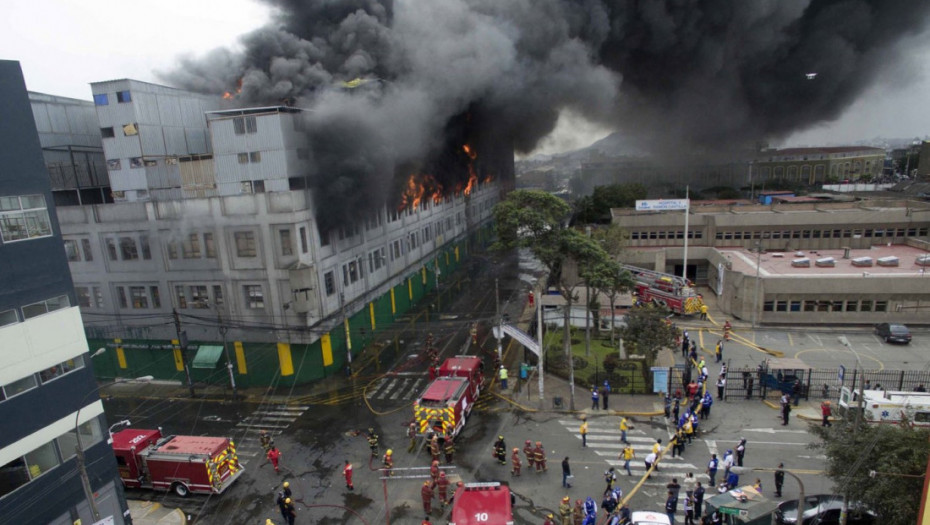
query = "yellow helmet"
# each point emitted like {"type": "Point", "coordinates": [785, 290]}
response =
{"type": "Point", "coordinates": [389, 452]}
{"type": "Point", "coordinates": [286, 484]}
{"type": "Point", "coordinates": [288, 501]}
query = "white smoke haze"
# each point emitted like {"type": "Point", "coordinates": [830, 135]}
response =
{"type": "Point", "coordinates": [682, 75]}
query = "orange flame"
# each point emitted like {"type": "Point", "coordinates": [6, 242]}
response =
{"type": "Point", "coordinates": [229, 95]}
{"type": "Point", "coordinates": [418, 187]}
{"type": "Point", "coordinates": [472, 175]}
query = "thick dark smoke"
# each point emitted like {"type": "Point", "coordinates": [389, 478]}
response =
{"type": "Point", "coordinates": [698, 75]}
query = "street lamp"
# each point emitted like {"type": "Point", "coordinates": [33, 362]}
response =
{"type": "Point", "coordinates": [98, 352]}
{"type": "Point", "coordinates": [743, 470]}
{"type": "Point", "coordinates": [79, 447]}
{"type": "Point", "coordinates": [860, 374]}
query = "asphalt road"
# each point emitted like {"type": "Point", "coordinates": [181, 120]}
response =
{"type": "Point", "coordinates": [317, 434]}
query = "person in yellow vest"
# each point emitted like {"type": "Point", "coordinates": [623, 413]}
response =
{"type": "Point", "coordinates": [565, 511]}
{"type": "Point", "coordinates": [627, 455]}
{"type": "Point", "coordinates": [584, 432]}
{"type": "Point", "coordinates": [703, 312]}
{"type": "Point", "coordinates": [624, 426]}
{"type": "Point", "coordinates": [503, 377]}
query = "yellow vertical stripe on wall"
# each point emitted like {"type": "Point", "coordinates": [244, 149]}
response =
{"type": "Point", "coordinates": [240, 357]}
{"type": "Point", "coordinates": [393, 303]}
{"type": "Point", "coordinates": [327, 345]}
{"type": "Point", "coordinates": [447, 258]}
{"type": "Point", "coordinates": [410, 288]}
{"type": "Point", "coordinates": [423, 273]}
{"type": "Point", "coordinates": [456, 254]}
{"type": "Point", "coordinates": [284, 358]}
{"type": "Point", "coordinates": [348, 335]}
{"type": "Point", "coordinates": [178, 360]}
{"type": "Point", "coordinates": [371, 313]}
{"type": "Point", "coordinates": [121, 357]}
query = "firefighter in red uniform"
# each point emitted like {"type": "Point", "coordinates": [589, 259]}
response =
{"type": "Point", "coordinates": [539, 454]}
{"type": "Point", "coordinates": [530, 456]}
{"type": "Point", "coordinates": [448, 448]}
{"type": "Point", "coordinates": [274, 455]}
{"type": "Point", "coordinates": [578, 513]}
{"type": "Point", "coordinates": [550, 519]}
{"type": "Point", "coordinates": [434, 447]}
{"type": "Point", "coordinates": [347, 472]}
{"type": "Point", "coordinates": [474, 334]}
{"type": "Point", "coordinates": [434, 471]}
{"type": "Point", "coordinates": [515, 461]}
{"type": "Point", "coordinates": [443, 485]}
{"type": "Point", "coordinates": [412, 434]}
{"type": "Point", "coordinates": [726, 330]}
{"type": "Point", "coordinates": [388, 462]}
{"type": "Point", "coordinates": [426, 492]}
{"type": "Point", "coordinates": [531, 298]}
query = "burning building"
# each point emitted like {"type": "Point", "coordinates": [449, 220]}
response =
{"type": "Point", "coordinates": [222, 219]}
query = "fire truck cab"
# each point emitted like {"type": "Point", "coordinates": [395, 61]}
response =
{"type": "Point", "coordinates": [183, 464]}
{"type": "Point", "coordinates": [482, 504]}
{"type": "Point", "coordinates": [446, 403]}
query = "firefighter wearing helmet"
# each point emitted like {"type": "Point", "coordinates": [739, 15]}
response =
{"type": "Point", "coordinates": [388, 462]}
{"type": "Point", "coordinates": [515, 462]}
{"type": "Point", "coordinates": [434, 471]}
{"type": "Point", "coordinates": [550, 519]}
{"type": "Point", "coordinates": [565, 511]}
{"type": "Point", "coordinates": [443, 486]}
{"type": "Point", "coordinates": [578, 514]}
{"type": "Point", "coordinates": [426, 492]}
{"type": "Point", "coordinates": [539, 454]}
{"type": "Point", "coordinates": [500, 450]}
{"type": "Point", "coordinates": [373, 442]}
{"type": "Point", "coordinates": [291, 512]}
{"type": "Point", "coordinates": [530, 456]}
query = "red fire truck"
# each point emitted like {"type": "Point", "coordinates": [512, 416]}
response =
{"type": "Point", "coordinates": [665, 290]}
{"type": "Point", "coordinates": [183, 464]}
{"type": "Point", "coordinates": [482, 504]}
{"type": "Point", "coordinates": [446, 402]}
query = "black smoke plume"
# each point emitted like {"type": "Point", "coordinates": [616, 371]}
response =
{"type": "Point", "coordinates": [701, 75]}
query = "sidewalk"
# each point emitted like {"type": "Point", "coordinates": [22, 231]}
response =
{"type": "Point", "coordinates": [153, 513]}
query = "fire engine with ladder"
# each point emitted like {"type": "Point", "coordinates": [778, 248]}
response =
{"type": "Point", "coordinates": [665, 290]}
{"type": "Point", "coordinates": [445, 404]}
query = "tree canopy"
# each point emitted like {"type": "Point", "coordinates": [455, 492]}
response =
{"type": "Point", "coordinates": [595, 208]}
{"type": "Point", "coordinates": [647, 329]}
{"type": "Point", "coordinates": [881, 466]}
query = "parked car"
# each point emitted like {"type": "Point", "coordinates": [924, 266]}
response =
{"type": "Point", "coordinates": [823, 509]}
{"type": "Point", "coordinates": [897, 333]}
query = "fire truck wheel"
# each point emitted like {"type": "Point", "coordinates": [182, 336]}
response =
{"type": "Point", "coordinates": [181, 489]}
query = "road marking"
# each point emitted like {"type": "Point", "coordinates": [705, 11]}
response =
{"type": "Point", "coordinates": [711, 445]}
{"type": "Point", "coordinates": [775, 431]}
{"type": "Point", "coordinates": [243, 424]}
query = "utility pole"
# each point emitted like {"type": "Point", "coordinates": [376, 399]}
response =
{"type": "Point", "coordinates": [229, 365]}
{"type": "Point", "coordinates": [438, 295]}
{"type": "Point", "coordinates": [500, 328]}
{"type": "Point", "coordinates": [684, 264]}
{"type": "Point", "coordinates": [182, 345]}
{"type": "Point", "coordinates": [345, 321]}
{"type": "Point", "coordinates": [539, 338]}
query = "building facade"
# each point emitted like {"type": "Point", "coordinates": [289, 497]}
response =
{"type": "Point", "coordinates": [719, 237]}
{"type": "Point", "coordinates": [222, 248]}
{"type": "Point", "coordinates": [71, 146]}
{"type": "Point", "coordinates": [48, 396]}
{"type": "Point", "coordinates": [813, 166]}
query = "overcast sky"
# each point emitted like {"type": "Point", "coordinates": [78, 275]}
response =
{"type": "Point", "coordinates": [64, 45]}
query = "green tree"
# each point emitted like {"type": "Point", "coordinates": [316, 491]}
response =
{"type": "Point", "coordinates": [596, 208]}
{"type": "Point", "coordinates": [538, 220]}
{"type": "Point", "coordinates": [896, 454]}
{"type": "Point", "coordinates": [648, 330]}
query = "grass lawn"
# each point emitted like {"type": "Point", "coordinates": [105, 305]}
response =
{"type": "Point", "coordinates": [589, 367]}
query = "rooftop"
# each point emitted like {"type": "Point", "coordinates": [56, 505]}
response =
{"type": "Point", "coordinates": [779, 264]}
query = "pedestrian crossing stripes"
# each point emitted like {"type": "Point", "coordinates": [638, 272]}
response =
{"type": "Point", "coordinates": [273, 419]}
{"type": "Point", "coordinates": [397, 388]}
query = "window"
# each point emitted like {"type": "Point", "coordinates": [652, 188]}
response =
{"type": "Point", "coordinates": [111, 249]}
{"type": "Point", "coordinates": [24, 217]}
{"type": "Point", "coordinates": [881, 306]}
{"type": "Point", "coordinates": [245, 244]}
{"type": "Point", "coordinates": [127, 248]}
{"type": "Point", "coordinates": [810, 306]}
{"type": "Point", "coordinates": [172, 250]}
{"type": "Point", "coordinates": [243, 125]}
{"type": "Point", "coordinates": [114, 164]}
{"type": "Point", "coordinates": [180, 297]}
{"type": "Point", "coordinates": [71, 250]}
{"type": "Point", "coordinates": [243, 158]}
{"type": "Point", "coordinates": [865, 306]}
{"type": "Point", "coordinates": [156, 298]}
{"type": "Point", "coordinates": [324, 238]}
{"type": "Point", "coordinates": [781, 306]}
{"type": "Point", "coordinates": [254, 298]}
{"type": "Point", "coordinates": [144, 244]}
{"type": "Point", "coordinates": [287, 247]}
{"type": "Point", "coordinates": [768, 306]}
{"type": "Point", "coordinates": [101, 100]}
{"type": "Point", "coordinates": [83, 296]}
{"type": "Point", "coordinates": [61, 369]}
{"type": "Point", "coordinates": [329, 282]}
{"type": "Point", "coordinates": [121, 296]}
{"type": "Point", "coordinates": [43, 307]}
{"type": "Point", "coordinates": [255, 156]}
{"type": "Point", "coordinates": [8, 317]}
{"type": "Point", "coordinates": [91, 434]}
{"type": "Point", "coordinates": [107, 133]}
{"type": "Point", "coordinates": [19, 386]}
{"type": "Point", "coordinates": [852, 306]}
{"type": "Point", "coordinates": [208, 245]}
{"type": "Point", "coordinates": [258, 186]}
{"type": "Point", "coordinates": [303, 239]}
{"type": "Point", "coordinates": [135, 162]}
{"type": "Point", "coordinates": [190, 248]}
{"type": "Point", "coordinates": [218, 295]}
{"type": "Point", "coordinates": [199, 297]}
{"type": "Point", "coordinates": [138, 297]}
{"type": "Point", "coordinates": [795, 306]}
{"type": "Point", "coordinates": [836, 306]}
{"type": "Point", "coordinates": [88, 254]}
{"type": "Point", "coordinates": [41, 460]}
